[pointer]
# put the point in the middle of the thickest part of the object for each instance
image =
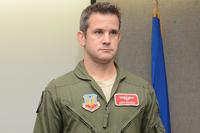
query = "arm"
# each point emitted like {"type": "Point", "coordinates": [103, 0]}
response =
{"type": "Point", "coordinates": [151, 121]}
{"type": "Point", "coordinates": [48, 115]}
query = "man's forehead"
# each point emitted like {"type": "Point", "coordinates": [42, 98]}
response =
{"type": "Point", "coordinates": [98, 19]}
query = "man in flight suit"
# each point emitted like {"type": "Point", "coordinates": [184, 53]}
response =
{"type": "Point", "coordinates": [98, 96]}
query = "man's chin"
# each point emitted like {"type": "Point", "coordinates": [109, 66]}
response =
{"type": "Point", "coordinates": [105, 60]}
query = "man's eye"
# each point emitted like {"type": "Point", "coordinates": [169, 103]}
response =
{"type": "Point", "coordinates": [113, 32]}
{"type": "Point", "coordinates": [98, 32]}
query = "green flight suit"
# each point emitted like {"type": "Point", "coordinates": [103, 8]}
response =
{"type": "Point", "coordinates": [61, 111]}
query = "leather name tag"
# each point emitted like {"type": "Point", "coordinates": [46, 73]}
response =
{"type": "Point", "coordinates": [126, 99]}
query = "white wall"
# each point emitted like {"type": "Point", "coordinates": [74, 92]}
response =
{"type": "Point", "coordinates": [37, 43]}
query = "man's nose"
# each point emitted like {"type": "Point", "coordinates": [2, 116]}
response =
{"type": "Point", "coordinates": [106, 39]}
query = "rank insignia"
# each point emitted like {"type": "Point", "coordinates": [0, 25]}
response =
{"type": "Point", "coordinates": [90, 102]}
{"type": "Point", "coordinates": [125, 99]}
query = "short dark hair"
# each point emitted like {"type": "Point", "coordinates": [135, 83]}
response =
{"type": "Point", "coordinates": [99, 7]}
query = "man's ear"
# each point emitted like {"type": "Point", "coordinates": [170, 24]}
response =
{"type": "Point", "coordinates": [119, 36]}
{"type": "Point", "coordinates": [81, 38]}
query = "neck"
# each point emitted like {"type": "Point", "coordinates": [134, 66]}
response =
{"type": "Point", "coordinates": [100, 71]}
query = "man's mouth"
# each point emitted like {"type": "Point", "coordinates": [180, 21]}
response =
{"type": "Point", "coordinates": [105, 49]}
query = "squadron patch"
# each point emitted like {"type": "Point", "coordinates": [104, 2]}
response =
{"type": "Point", "coordinates": [125, 99]}
{"type": "Point", "coordinates": [90, 102]}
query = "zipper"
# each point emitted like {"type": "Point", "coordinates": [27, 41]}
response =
{"type": "Point", "coordinates": [127, 124]}
{"type": "Point", "coordinates": [92, 129]}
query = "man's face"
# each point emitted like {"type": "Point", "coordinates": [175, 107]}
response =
{"type": "Point", "coordinates": [102, 38]}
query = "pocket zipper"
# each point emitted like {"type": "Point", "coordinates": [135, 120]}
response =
{"type": "Point", "coordinates": [81, 119]}
{"type": "Point", "coordinates": [130, 120]}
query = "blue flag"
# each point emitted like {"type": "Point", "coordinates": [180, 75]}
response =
{"type": "Point", "coordinates": [159, 80]}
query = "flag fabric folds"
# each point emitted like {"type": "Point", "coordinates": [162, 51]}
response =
{"type": "Point", "coordinates": [159, 80]}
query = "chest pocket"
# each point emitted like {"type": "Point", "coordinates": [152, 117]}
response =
{"type": "Point", "coordinates": [75, 122]}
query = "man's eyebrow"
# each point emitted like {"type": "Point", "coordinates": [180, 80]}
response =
{"type": "Point", "coordinates": [104, 30]}
{"type": "Point", "coordinates": [98, 29]}
{"type": "Point", "coordinates": [114, 30]}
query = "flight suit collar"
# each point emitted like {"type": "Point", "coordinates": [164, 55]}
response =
{"type": "Point", "coordinates": [81, 72]}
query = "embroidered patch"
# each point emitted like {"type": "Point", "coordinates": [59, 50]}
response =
{"type": "Point", "coordinates": [90, 102]}
{"type": "Point", "coordinates": [126, 99]}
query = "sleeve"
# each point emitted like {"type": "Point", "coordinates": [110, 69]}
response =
{"type": "Point", "coordinates": [151, 121]}
{"type": "Point", "coordinates": [48, 118]}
